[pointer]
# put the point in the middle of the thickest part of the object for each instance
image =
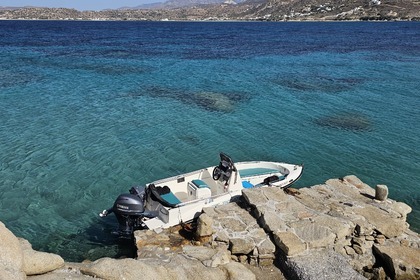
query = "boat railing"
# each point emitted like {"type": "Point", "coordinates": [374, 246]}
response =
{"type": "Point", "coordinates": [177, 177]}
{"type": "Point", "coordinates": [210, 198]}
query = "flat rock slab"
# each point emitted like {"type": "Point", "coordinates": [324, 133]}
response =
{"type": "Point", "coordinates": [320, 265]}
{"type": "Point", "coordinates": [235, 227]}
{"type": "Point", "coordinates": [327, 231]}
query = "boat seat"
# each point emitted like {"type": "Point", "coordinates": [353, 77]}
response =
{"type": "Point", "coordinates": [171, 198]}
{"type": "Point", "coordinates": [199, 183]}
{"type": "Point", "coordinates": [163, 195]}
{"type": "Point", "coordinates": [198, 189]}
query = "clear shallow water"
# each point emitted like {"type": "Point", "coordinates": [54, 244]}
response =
{"type": "Point", "coordinates": [88, 109]}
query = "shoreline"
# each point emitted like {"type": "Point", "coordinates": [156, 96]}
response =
{"type": "Point", "coordinates": [341, 228]}
{"type": "Point", "coordinates": [408, 11]}
{"type": "Point", "coordinates": [216, 21]}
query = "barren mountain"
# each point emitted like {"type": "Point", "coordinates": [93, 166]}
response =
{"type": "Point", "coordinates": [270, 10]}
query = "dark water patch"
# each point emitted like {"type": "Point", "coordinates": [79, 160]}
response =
{"type": "Point", "coordinates": [392, 57]}
{"type": "Point", "coordinates": [103, 67]}
{"type": "Point", "coordinates": [17, 78]}
{"type": "Point", "coordinates": [163, 92]}
{"type": "Point", "coordinates": [208, 100]}
{"type": "Point", "coordinates": [112, 69]}
{"type": "Point", "coordinates": [116, 53]}
{"type": "Point", "coordinates": [318, 83]}
{"type": "Point", "coordinates": [414, 217]}
{"type": "Point", "coordinates": [214, 101]}
{"type": "Point", "coordinates": [218, 101]}
{"type": "Point", "coordinates": [191, 140]}
{"type": "Point", "coordinates": [209, 53]}
{"type": "Point", "coordinates": [347, 121]}
{"type": "Point", "coordinates": [81, 53]}
{"type": "Point", "coordinates": [94, 242]}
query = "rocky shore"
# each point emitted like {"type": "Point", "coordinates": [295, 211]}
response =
{"type": "Point", "coordinates": [340, 229]}
{"type": "Point", "coordinates": [270, 10]}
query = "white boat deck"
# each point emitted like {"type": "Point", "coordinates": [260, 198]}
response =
{"type": "Point", "coordinates": [190, 192]}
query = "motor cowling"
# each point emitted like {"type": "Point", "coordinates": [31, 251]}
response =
{"type": "Point", "coordinates": [128, 204]}
{"type": "Point", "coordinates": [129, 210]}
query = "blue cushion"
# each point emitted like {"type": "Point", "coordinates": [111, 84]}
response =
{"type": "Point", "coordinates": [199, 183]}
{"type": "Point", "coordinates": [171, 198]}
{"type": "Point", "coordinates": [247, 184]}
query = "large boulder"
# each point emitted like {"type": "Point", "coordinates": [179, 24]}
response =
{"type": "Point", "coordinates": [66, 273]}
{"type": "Point", "coordinates": [11, 255]}
{"type": "Point", "coordinates": [381, 221]}
{"type": "Point", "coordinates": [381, 192]}
{"type": "Point", "coordinates": [208, 256]}
{"type": "Point", "coordinates": [254, 197]}
{"type": "Point", "coordinates": [289, 243]}
{"type": "Point", "coordinates": [401, 208]}
{"type": "Point", "coordinates": [35, 262]}
{"type": "Point", "coordinates": [107, 268]}
{"type": "Point", "coordinates": [399, 262]}
{"type": "Point", "coordinates": [178, 267]}
{"type": "Point", "coordinates": [204, 225]}
{"type": "Point", "coordinates": [241, 246]}
{"type": "Point", "coordinates": [237, 271]}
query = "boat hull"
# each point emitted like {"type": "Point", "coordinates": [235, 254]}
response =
{"type": "Point", "coordinates": [254, 172]}
{"type": "Point", "coordinates": [180, 199]}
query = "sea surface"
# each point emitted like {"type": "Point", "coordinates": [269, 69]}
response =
{"type": "Point", "coordinates": [89, 109]}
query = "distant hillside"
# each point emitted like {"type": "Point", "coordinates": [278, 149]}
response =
{"type": "Point", "coordinates": [339, 10]}
{"type": "Point", "coordinates": [170, 4]}
{"type": "Point", "coordinates": [268, 10]}
{"type": "Point", "coordinates": [190, 3]}
{"type": "Point", "coordinates": [144, 6]}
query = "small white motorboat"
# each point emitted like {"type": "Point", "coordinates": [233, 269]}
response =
{"type": "Point", "coordinates": [180, 199]}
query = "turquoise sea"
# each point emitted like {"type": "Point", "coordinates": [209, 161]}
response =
{"type": "Point", "coordinates": [88, 109]}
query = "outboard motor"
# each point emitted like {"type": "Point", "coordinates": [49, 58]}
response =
{"type": "Point", "coordinates": [130, 210]}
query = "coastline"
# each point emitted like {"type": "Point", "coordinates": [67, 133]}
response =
{"type": "Point", "coordinates": [204, 20]}
{"type": "Point", "coordinates": [225, 12]}
{"type": "Point", "coordinates": [341, 228]}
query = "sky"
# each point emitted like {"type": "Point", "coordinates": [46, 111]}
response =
{"type": "Point", "coordinates": [77, 4]}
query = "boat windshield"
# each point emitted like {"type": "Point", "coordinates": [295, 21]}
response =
{"type": "Point", "coordinates": [226, 160]}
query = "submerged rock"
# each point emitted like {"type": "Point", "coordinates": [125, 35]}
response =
{"type": "Point", "coordinates": [211, 101]}
{"type": "Point", "coordinates": [346, 121]}
{"type": "Point", "coordinates": [317, 83]}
